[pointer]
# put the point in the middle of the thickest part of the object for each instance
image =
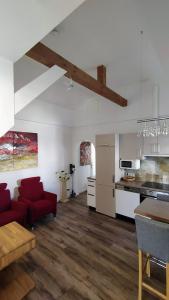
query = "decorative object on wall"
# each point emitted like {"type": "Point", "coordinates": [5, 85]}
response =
{"type": "Point", "coordinates": [18, 150]}
{"type": "Point", "coordinates": [63, 178]}
{"type": "Point", "coordinates": [85, 153]}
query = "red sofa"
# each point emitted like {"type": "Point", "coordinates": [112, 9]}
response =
{"type": "Point", "coordinates": [39, 202]}
{"type": "Point", "coordinates": [11, 210]}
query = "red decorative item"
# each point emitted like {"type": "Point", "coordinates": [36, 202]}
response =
{"type": "Point", "coordinates": [39, 202]}
{"type": "Point", "coordinates": [11, 210]}
{"type": "Point", "coordinates": [85, 153]}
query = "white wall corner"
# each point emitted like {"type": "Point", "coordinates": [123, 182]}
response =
{"type": "Point", "coordinates": [36, 87]}
{"type": "Point", "coordinates": [6, 96]}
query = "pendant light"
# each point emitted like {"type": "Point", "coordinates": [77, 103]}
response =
{"type": "Point", "coordinates": [157, 125]}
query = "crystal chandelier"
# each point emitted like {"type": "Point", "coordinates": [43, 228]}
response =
{"type": "Point", "coordinates": [157, 125]}
{"type": "Point", "coordinates": [153, 127]}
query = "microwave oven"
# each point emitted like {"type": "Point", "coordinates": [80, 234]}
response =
{"type": "Point", "coordinates": [130, 164]}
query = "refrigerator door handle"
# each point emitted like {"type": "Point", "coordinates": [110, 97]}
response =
{"type": "Point", "coordinates": [113, 193]}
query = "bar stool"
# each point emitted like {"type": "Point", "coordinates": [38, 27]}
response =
{"type": "Point", "coordinates": [153, 240]}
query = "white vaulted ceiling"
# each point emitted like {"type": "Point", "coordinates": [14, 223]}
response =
{"type": "Point", "coordinates": [24, 23]}
{"type": "Point", "coordinates": [106, 32]}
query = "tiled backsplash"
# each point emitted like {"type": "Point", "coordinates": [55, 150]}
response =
{"type": "Point", "coordinates": [154, 169]}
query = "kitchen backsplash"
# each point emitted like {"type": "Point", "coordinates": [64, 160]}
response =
{"type": "Point", "coordinates": [154, 169]}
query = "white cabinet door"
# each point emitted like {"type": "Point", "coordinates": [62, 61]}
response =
{"type": "Point", "coordinates": [150, 146]}
{"type": "Point", "coordinates": [163, 142]}
{"type": "Point", "coordinates": [91, 193]}
{"type": "Point", "coordinates": [91, 200]}
{"type": "Point", "coordinates": [126, 202]}
{"type": "Point", "coordinates": [129, 146]}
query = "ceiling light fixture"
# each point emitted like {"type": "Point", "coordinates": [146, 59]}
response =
{"type": "Point", "coordinates": [71, 84]}
{"type": "Point", "coordinates": [155, 126]}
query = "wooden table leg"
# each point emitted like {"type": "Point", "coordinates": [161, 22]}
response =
{"type": "Point", "coordinates": [140, 259]}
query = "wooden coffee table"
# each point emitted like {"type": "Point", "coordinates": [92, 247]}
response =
{"type": "Point", "coordinates": [15, 241]}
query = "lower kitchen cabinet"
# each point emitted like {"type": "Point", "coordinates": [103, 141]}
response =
{"type": "Point", "coordinates": [91, 193]}
{"type": "Point", "coordinates": [126, 202]}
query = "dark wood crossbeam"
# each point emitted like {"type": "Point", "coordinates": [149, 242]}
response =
{"type": "Point", "coordinates": [48, 57]}
{"type": "Point", "coordinates": [101, 74]}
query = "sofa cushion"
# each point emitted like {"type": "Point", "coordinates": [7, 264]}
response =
{"type": "Point", "coordinates": [5, 200]}
{"type": "Point", "coordinates": [10, 216]}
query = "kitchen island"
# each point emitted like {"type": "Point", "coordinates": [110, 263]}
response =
{"type": "Point", "coordinates": [154, 209]}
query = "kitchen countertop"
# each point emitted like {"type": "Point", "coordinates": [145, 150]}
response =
{"type": "Point", "coordinates": [154, 209]}
{"type": "Point", "coordinates": [133, 184]}
{"type": "Point", "coordinates": [138, 185]}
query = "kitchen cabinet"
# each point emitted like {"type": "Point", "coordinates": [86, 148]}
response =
{"type": "Point", "coordinates": [150, 146]}
{"type": "Point", "coordinates": [91, 192]}
{"type": "Point", "coordinates": [163, 145]}
{"type": "Point", "coordinates": [126, 202]}
{"type": "Point", "coordinates": [129, 146]}
{"type": "Point", "coordinates": [156, 145]}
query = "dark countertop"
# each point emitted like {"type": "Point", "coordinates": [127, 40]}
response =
{"type": "Point", "coordinates": [134, 184]}
{"type": "Point", "coordinates": [138, 185]}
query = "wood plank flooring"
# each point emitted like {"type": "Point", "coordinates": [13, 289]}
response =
{"type": "Point", "coordinates": [83, 255]}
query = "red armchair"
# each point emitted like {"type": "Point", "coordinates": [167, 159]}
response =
{"type": "Point", "coordinates": [39, 202]}
{"type": "Point", "coordinates": [11, 210]}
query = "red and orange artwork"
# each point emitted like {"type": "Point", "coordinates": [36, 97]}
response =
{"type": "Point", "coordinates": [18, 150]}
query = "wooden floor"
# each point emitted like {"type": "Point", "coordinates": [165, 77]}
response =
{"type": "Point", "coordinates": [84, 255]}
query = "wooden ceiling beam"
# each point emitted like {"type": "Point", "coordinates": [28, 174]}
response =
{"type": "Point", "coordinates": [101, 74]}
{"type": "Point", "coordinates": [48, 57]}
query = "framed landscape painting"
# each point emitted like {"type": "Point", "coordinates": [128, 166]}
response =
{"type": "Point", "coordinates": [18, 150]}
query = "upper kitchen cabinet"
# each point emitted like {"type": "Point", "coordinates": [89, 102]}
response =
{"type": "Point", "coordinates": [129, 146]}
{"type": "Point", "coordinates": [150, 146]}
{"type": "Point", "coordinates": [156, 146]}
{"type": "Point", "coordinates": [163, 145]}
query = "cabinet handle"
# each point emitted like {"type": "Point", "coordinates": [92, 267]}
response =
{"type": "Point", "coordinates": [90, 185]}
{"type": "Point", "coordinates": [90, 195]}
{"type": "Point", "coordinates": [113, 178]}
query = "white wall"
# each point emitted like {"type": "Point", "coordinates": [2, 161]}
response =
{"type": "Point", "coordinates": [6, 95]}
{"type": "Point", "coordinates": [54, 142]}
